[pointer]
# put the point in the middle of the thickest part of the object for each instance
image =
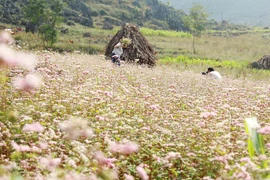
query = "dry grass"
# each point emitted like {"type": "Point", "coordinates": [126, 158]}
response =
{"type": "Point", "coordinates": [249, 47]}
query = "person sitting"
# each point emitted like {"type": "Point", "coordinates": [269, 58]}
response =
{"type": "Point", "coordinates": [212, 73]}
{"type": "Point", "coordinates": [116, 54]}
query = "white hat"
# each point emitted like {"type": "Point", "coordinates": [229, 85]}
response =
{"type": "Point", "coordinates": [118, 44]}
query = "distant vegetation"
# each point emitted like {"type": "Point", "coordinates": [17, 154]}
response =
{"type": "Point", "coordinates": [165, 33]}
{"type": "Point", "coordinates": [99, 13]}
{"type": "Point", "coordinates": [245, 12]}
{"type": "Point", "coordinates": [107, 14]}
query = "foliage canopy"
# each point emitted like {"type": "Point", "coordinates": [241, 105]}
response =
{"type": "Point", "coordinates": [44, 16]}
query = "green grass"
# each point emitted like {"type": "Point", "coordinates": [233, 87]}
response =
{"type": "Point", "coordinates": [164, 33]}
{"type": "Point", "coordinates": [209, 62]}
{"type": "Point", "coordinates": [228, 68]}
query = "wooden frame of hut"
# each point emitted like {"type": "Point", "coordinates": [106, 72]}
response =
{"type": "Point", "coordinates": [138, 50]}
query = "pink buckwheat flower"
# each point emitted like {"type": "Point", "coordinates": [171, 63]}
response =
{"type": "Point", "coordinates": [267, 145]}
{"type": "Point", "coordinates": [264, 130]}
{"type": "Point", "coordinates": [207, 178]}
{"type": "Point", "coordinates": [34, 127]}
{"type": "Point", "coordinates": [76, 127]}
{"type": "Point", "coordinates": [145, 128]}
{"type": "Point", "coordinates": [101, 118]}
{"type": "Point", "coordinates": [109, 94]}
{"type": "Point", "coordinates": [191, 154]}
{"type": "Point", "coordinates": [172, 155]}
{"type": "Point", "coordinates": [222, 159]}
{"type": "Point", "coordinates": [49, 163]}
{"type": "Point", "coordinates": [141, 173]}
{"type": "Point", "coordinates": [29, 83]}
{"type": "Point", "coordinates": [128, 177]}
{"type": "Point", "coordinates": [6, 38]}
{"type": "Point", "coordinates": [103, 161]}
{"type": "Point", "coordinates": [245, 159]}
{"type": "Point", "coordinates": [155, 107]}
{"type": "Point", "coordinates": [130, 148]}
{"type": "Point", "coordinates": [125, 149]}
{"type": "Point", "coordinates": [202, 124]}
{"type": "Point", "coordinates": [26, 61]}
{"type": "Point", "coordinates": [10, 58]}
{"type": "Point", "coordinates": [87, 132]}
{"type": "Point", "coordinates": [115, 147]}
{"type": "Point", "coordinates": [208, 115]}
{"type": "Point", "coordinates": [6, 56]}
{"type": "Point", "coordinates": [85, 72]}
{"type": "Point", "coordinates": [43, 145]}
{"type": "Point", "coordinates": [21, 148]}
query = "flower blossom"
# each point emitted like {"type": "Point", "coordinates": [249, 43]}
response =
{"type": "Point", "coordinates": [207, 178]}
{"type": "Point", "coordinates": [222, 159]}
{"type": "Point", "coordinates": [202, 124]}
{"type": "Point", "coordinates": [267, 145]}
{"type": "Point", "coordinates": [109, 94]}
{"type": "Point", "coordinates": [43, 145]}
{"type": "Point", "coordinates": [21, 148]}
{"type": "Point", "coordinates": [34, 127]}
{"type": "Point", "coordinates": [172, 156]}
{"type": "Point", "coordinates": [6, 38]}
{"type": "Point", "coordinates": [145, 128]}
{"type": "Point", "coordinates": [49, 163]}
{"type": "Point", "coordinates": [26, 61]}
{"type": "Point", "coordinates": [128, 177]}
{"type": "Point", "coordinates": [264, 130]}
{"type": "Point", "coordinates": [141, 173]}
{"type": "Point", "coordinates": [155, 107]}
{"type": "Point", "coordinates": [101, 118]}
{"type": "Point", "coordinates": [85, 72]}
{"type": "Point", "coordinates": [103, 161]}
{"type": "Point", "coordinates": [29, 83]}
{"type": "Point", "coordinates": [76, 127]}
{"type": "Point", "coordinates": [8, 57]}
{"type": "Point", "coordinates": [245, 159]}
{"type": "Point", "coordinates": [208, 115]}
{"type": "Point", "coordinates": [191, 154]}
{"type": "Point", "coordinates": [125, 149]}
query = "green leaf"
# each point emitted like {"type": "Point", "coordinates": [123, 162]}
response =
{"type": "Point", "coordinates": [16, 156]}
{"type": "Point", "coordinates": [255, 141]}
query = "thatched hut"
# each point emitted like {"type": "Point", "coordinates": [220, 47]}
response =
{"type": "Point", "coordinates": [263, 63]}
{"type": "Point", "coordinates": [138, 50]}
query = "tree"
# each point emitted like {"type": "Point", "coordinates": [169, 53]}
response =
{"type": "Point", "coordinates": [53, 18]}
{"type": "Point", "coordinates": [34, 12]}
{"type": "Point", "coordinates": [43, 17]}
{"type": "Point", "coordinates": [196, 22]}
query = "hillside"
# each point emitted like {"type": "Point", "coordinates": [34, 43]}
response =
{"type": "Point", "coordinates": [147, 13]}
{"type": "Point", "coordinates": [247, 12]}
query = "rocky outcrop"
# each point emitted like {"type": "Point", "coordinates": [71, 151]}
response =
{"type": "Point", "coordinates": [263, 63]}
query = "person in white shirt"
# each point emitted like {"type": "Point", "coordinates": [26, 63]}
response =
{"type": "Point", "coordinates": [212, 73]}
{"type": "Point", "coordinates": [117, 52]}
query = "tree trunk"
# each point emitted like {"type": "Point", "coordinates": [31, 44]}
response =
{"type": "Point", "coordinates": [193, 44]}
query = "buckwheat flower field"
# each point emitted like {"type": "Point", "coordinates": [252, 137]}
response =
{"type": "Point", "coordinates": [78, 117]}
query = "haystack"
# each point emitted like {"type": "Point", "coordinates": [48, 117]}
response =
{"type": "Point", "coordinates": [263, 63]}
{"type": "Point", "coordinates": [139, 50]}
